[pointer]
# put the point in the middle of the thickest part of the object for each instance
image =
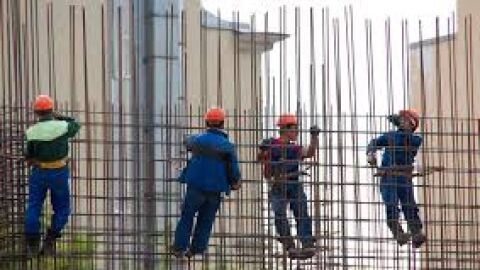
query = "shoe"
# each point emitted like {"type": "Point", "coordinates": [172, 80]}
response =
{"type": "Point", "coordinates": [287, 242]}
{"type": "Point", "coordinates": [397, 232]}
{"type": "Point", "coordinates": [309, 246]}
{"type": "Point", "coordinates": [177, 252]}
{"type": "Point", "coordinates": [402, 238]}
{"type": "Point", "coordinates": [418, 239]}
{"type": "Point", "coordinates": [49, 243]}
{"type": "Point", "coordinates": [32, 245]}
{"type": "Point", "coordinates": [191, 253]}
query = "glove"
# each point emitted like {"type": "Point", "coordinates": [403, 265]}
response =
{"type": "Point", "coordinates": [235, 186]}
{"type": "Point", "coordinates": [372, 159]}
{"type": "Point", "coordinates": [394, 119]}
{"type": "Point", "coordinates": [265, 144]}
{"type": "Point", "coordinates": [314, 131]}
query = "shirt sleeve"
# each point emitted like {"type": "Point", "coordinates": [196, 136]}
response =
{"type": "Point", "coordinates": [378, 143]}
{"type": "Point", "coordinates": [73, 125]}
{"type": "Point", "coordinates": [189, 142]}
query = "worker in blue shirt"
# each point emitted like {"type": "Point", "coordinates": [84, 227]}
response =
{"type": "Point", "coordinates": [400, 148]}
{"type": "Point", "coordinates": [212, 170]}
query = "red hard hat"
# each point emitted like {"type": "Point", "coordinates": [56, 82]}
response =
{"type": "Point", "coordinates": [412, 115]}
{"type": "Point", "coordinates": [43, 103]}
{"type": "Point", "coordinates": [286, 120]}
{"type": "Point", "coordinates": [214, 115]}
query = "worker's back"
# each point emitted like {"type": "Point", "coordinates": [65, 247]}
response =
{"type": "Point", "coordinates": [401, 148]}
{"type": "Point", "coordinates": [206, 171]}
{"type": "Point", "coordinates": [47, 140]}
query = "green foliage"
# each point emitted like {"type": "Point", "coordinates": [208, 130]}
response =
{"type": "Point", "coordinates": [76, 254]}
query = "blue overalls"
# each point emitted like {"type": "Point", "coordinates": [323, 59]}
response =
{"type": "Point", "coordinates": [401, 148]}
{"type": "Point", "coordinates": [206, 179]}
{"type": "Point", "coordinates": [284, 159]}
{"type": "Point", "coordinates": [40, 181]}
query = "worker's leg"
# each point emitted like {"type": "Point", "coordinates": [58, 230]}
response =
{"type": "Point", "coordinates": [57, 181]}
{"type": "Point", "coordinates": [409, 206]}
{"type": "Point", "coordinates": [192, 202]}
{"type": "Point", "coordinates": [388, 189]}
{"type": "Point", "coordinates": [298, 204]}
{"type": "Point", "coordinates": [60, 198]}
{"type": "Point", "coordinates": [37, 190]}
{"type": "Point", "coordinates": [410, 211]}
{"type": "Point", "coordinates": [278, 201]}
{"type": "Point", "coordinates": [205, 219]}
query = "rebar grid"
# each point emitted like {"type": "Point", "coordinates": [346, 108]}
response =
{"type": "Point", "coordinates": [125, 197]}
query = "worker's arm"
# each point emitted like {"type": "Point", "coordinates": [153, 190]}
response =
{"type": "Point", "coordinates": [377, 144]}
{"type": "Point", "coordinates": [73, 125]}
{"type": "Point", "coordinates": [263, 152]}
{"type": "Point", "coordinates": [189, 142]}
{"type": "Point", "coordinates": [314, 142]}
{"type": "Point", "coordinates": [373, 146]}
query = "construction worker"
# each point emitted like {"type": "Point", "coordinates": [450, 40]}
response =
{"type": "Point", "coordinates": [46, 154]}
{"type": "Point", "coordinates": [212, 170]}
{"type": "Point", "coordinates": [400, 148]}
{"type": "Point", "coordinates": [281, 159]}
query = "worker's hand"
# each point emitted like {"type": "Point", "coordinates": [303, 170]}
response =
{"type": "Point", "coordinates": [394, 119]}
{"type": "Point", "coordinates": [314, 131]}
{"type": "Point", "coordinates": [235, 186]}
{"type": "Point", "coordinates": [372, 159]}
{"type": "Point", "coordinates": [265, 144]}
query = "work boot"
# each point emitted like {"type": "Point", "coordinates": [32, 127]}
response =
{"type": "Point", "coordinates": [32, 245]}
{"type": "Point", "coordinates": [308, 248]}
{"type": "Point", "coordinates": [418, 239]}
{"type": "Point", "coordinates": [49, 243]}
{"type": "Point", "coordinates": [191, 253]}
{"type": "Point", "coordinates": [287, 242]}
{"type": "Point", "coordinates": [177, 252]}
{"type": "Point", "coordinates": [397, 232]}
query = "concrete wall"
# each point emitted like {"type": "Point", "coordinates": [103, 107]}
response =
{"type": "Point", "coordinates": [449, 92]}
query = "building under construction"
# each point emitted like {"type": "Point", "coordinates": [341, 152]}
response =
{"type": "Point", "coordinates": [139, 74]}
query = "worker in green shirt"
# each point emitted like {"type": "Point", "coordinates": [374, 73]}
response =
{"type": "Point", "coordinates": [46, 154]}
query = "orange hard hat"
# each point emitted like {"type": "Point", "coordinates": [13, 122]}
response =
{"type": "Point", "coordinates": [43, 103]}
{"type": "Point", "coordinates": [214, 115]}
{"type": "Point", "coordinates": [286, 120]}
{"type": "Point", "coordinates": [412, 115]}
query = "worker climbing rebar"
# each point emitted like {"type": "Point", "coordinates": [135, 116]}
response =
{"type": "Point", "coordinates": [281, 159]}
{"type": "Point", "coordinates": [400, 148]}
{"type": "Point", "coordinates": [46, 153]}
{"type": "Point", "coordinates": [212, 170]}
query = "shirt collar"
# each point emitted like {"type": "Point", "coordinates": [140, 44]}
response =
{"type": "Point", "coordinates": [45, 118]}
{"type": "Point", "coordinates": [217, 131]}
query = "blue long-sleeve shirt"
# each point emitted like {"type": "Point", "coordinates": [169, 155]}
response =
{"type": "Point", "coordinates": [400, 146]}
{"type": "Point", "coordinates": [207, 172]}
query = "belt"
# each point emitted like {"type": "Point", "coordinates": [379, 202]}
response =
{"type": "Point", "coordinates": [394, 173]}
{"type": "Point", "coordinates": [57, 164]}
